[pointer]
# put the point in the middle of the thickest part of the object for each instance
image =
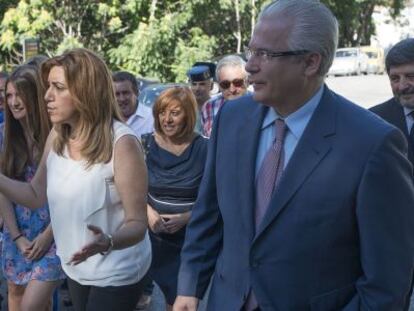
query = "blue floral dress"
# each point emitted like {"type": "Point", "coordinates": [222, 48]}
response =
{"type": "Point", "coordinates": [17, 268]}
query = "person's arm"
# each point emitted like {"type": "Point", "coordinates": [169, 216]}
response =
{"type": "Point", "coordinates": [30, 194]}
{"type": "Point", "coordinates": [385, 219]}
{"type": "Point", "coordinates": [131, 183]}
{"type": "Point", "coordinates": [203, 239]}
{"type": "Point", "coordinates": [9, 217]}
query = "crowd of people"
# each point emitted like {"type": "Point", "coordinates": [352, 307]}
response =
{"type": "Point", "coordinates": [285, 196]}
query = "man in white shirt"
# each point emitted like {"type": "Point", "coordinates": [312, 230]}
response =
{"type": "Point", "coordinates": [138, 117]}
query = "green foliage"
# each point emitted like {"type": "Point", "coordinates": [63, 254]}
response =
{"type": "Point", "coordinates": [157, 38]}
{"type": "Point", "coordinates": [68, 43]}
{"type": "Point", "coordinates": [198, 47]}
{"type": "Point", "coordinates": [355, 18]}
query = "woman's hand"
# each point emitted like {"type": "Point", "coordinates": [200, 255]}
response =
{"type": "Point", "coordinates": [99, 244]}
{"type": "Point", "coordinates": [24, 246]}
{"type": "Point", "coordinates": [155, 221]}
{"type": "Point", "coordinates": [40, 245]}
{"type": "Point", "coordinates": [174, 222]}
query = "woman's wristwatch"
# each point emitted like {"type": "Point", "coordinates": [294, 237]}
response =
{"type": "Point", "coordinates": [111, 244]}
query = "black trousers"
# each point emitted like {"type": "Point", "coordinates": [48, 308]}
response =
{"type": "Point", "coordinates": [108, 298]}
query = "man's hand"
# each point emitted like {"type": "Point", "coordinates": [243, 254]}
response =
{"type": "Point", "coordinates": [185, 303]}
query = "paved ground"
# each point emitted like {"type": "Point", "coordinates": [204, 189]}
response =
{"type": "Point", "coordinates": [157, 302]}
{"type": "Point", "coordinates": [366, 91]}
{"type": "Point", "coordinates": [363, 90]}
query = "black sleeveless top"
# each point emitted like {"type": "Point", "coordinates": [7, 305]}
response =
{"type": "Point", "coordinates": [174, 180]}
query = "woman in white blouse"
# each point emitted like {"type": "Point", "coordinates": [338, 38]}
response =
{"type": "Point", "coordinates": [94, 177]}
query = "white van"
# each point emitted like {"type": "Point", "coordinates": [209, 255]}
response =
{"type": "Point", "coordinates": [376, 63]}
{"type": "Point", "coordinates": [349, 61]}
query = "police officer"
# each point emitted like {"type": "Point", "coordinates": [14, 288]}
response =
{"type": "Point", "coordinates": [201, 80]}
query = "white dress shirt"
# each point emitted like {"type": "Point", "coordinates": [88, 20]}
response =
{"type": "Point", "coordinates": [142, 121]}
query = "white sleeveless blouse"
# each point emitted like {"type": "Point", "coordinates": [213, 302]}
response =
{"type": "Point", "coordinates": [78, 196]}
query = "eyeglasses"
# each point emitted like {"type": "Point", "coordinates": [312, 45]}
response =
{"type": "Point", "coordinates": [225, 84]}
{"type": "Point", "coordinates": [266, 56]}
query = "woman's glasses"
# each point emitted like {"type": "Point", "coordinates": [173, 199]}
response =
{"type": "Point", "coordinates": [225, 84]}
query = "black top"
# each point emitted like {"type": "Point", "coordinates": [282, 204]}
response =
{"type": "Point", "coordinates": [174, 180]}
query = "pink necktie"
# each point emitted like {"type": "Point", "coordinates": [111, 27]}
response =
{"type": "Point", "coordinates": [267, 179]}
{"type": "Point", "coordinates": [270, 172]}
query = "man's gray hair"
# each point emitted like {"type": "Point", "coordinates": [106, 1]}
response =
{"type": "Point", "coordinates": [230, 61]}
{"type": "Point", "coordinates": [400, 54]}
{"type": "Point", "coordinates": [315, 28]}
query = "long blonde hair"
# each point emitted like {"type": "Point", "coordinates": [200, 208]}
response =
{"type": "Point", "coordinates": [17, 155]}
{"type": "Point", "coordinates": [90, 85]}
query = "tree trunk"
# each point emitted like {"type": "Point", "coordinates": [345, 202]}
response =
{"type": "Point", "coordinates": [364, 30]}
{"type": "Point", "coordinates": [238, 33]}
{"type": "Point", "coordinates": [253, 16]}
{"type": "Point", "coordinates": [153, 8]}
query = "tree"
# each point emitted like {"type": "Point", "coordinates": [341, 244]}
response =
{"type": "Point", "coordinates": [62, 24]}
{"type": "Point", "coordinates": [355, 18]}
{"type": "Point", "coordinates": [158, 39]}
{"type": "Point", "coordinates": [164, 47]}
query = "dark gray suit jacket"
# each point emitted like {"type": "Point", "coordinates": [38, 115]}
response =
{"type": "Point", "coordinates": [339, 232]}
{"type": "Point", "coordinates": [392, 112]}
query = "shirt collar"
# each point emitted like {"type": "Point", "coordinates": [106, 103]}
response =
{"type": "Point", "coordinates": [407, 111]}
{"type": "Point", "coordinates": [296, 121]}
{"type": "Point", "coordinates": [139, 112]}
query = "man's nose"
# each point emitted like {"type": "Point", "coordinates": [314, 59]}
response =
{"type": "Point", "coordinates": [232, 88]}
{"type": "Point", "coordinates": [121, 97]}
{"type": "Point", "coordinates": [404, 83]}
{"type": "Point", "coordinates": [252, 65]}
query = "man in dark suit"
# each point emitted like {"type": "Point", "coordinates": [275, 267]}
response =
{"type": "Point", "coordinates": [336, 231]}
{"type": "Point", "coordinates": [398, 110]}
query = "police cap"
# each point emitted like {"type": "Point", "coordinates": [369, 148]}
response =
{"type": "Point", "coordinates": [211, 66]}
{"type": "Point", "coordinates": [199, 73]}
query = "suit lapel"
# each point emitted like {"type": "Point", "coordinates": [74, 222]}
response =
{"type": "Point", "coordinates": [309, 152]}
{"type": "Point", "coordinates": [247, 144]}
{"type": "Point", "coordinates": [397, 117]}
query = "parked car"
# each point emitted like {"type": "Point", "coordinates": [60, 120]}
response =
{"type": "Point", "coordinates": [150, 93]}
{"type": "Point", "coordinates": [144, 82]}
{"type": "Point", "coordinates": [349, 61]}
{"type": "Point", "coordinates": [376, 64]}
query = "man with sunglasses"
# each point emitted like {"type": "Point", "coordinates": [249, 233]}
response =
{"type": "Point", "coordinates": [232, 80]}
{"type": "Point", "coordinates": [307, 199]}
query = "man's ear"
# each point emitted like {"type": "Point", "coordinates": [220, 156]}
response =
{"type": "Point", "coordinates": [312, 63]}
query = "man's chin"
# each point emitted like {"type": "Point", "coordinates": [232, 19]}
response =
{"type": "Point", "coordinates": [407, 103]}
{"type": "Point", "coordinates": [233, 96]}
{"type": "Point", "coordinates": [257, 97]}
